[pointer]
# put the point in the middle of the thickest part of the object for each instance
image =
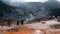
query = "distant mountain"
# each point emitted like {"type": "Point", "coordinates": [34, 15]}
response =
{"type": "Point", "coordinates": [5, 9]}
{"type": "Point", "coordinates": [51, 4]}
{"type": "Point", "coordinates": [33, 10]}
{"type": "Point", "coordinates": [55, 11]}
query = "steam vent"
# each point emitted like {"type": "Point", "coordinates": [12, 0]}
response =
{"type": "Point", "coordinates": [29, 16]}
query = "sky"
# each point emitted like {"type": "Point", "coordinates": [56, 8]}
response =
{"type": "Point", "coordinates": [35, 0]}
{"type": "Point", "coordinates": [22, 1]}
{"type": "Point", "coordinates": [18, 2]}
{"type": "Point", "coordinates": [25, 0]}
{"type": "Point", "coordinates": [58, 0]}
{"type": "Point", "coordinates": [14, 1]}
{"type": "Point", "coordinates": [38, 0]}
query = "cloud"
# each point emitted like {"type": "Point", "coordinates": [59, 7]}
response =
{"type": "Point", "coordinates": [35, 0]}
{"type": "Point", "coordinates": [13, 2]}
{"type": "Point", "coordinates": [58, 0]}
{"type": "Point", "coordinates": [18, 2]}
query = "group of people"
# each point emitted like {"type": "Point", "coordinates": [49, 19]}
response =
{"type": "Point", "coordinates": [18, 21]}
{"type": "Point", "coordinates": [22, 22]}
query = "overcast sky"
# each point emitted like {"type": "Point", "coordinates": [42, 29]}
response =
{"type": "Point", "coordinates": [26, 0]}
{"type": "Point", "coordinates": [35, 0]}
{"type": "Point", "coordinates": [17, 2]}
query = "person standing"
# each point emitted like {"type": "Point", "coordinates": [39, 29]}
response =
{"type": "Point", "coordinates": [22, 22]}
{"type": "Point", "coordinates": [18, 21]}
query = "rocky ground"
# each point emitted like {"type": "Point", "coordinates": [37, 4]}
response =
{"type": "Point", "coordinates": [25, 30]}
{"type": "Point", "coordinates": [44, 27]}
